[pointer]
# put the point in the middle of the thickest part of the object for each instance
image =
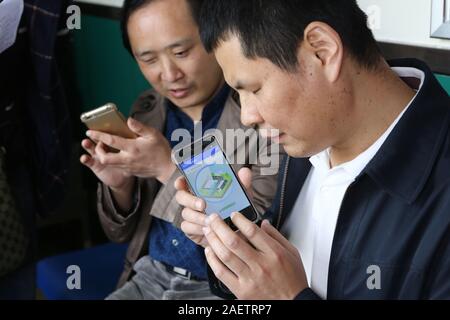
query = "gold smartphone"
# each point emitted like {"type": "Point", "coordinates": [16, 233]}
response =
{"type": "Point", "coordinates": [108, 119]}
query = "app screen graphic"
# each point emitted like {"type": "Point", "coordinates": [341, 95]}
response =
{"type": "Point", "coordinates": [213, 180]}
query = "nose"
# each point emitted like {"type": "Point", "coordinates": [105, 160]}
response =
{"type": "Point", "coordinates": [249, 112]}
{"type": "Point", "coordinates": [170, 71]}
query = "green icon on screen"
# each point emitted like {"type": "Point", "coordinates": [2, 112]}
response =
{"type": "Point", "coordinates": [215, 185]}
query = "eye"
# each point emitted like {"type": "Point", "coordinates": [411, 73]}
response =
{"type": "Point", "coordinates": [150, 61]}
{"type": "Point", "coordinates": [181, 54]}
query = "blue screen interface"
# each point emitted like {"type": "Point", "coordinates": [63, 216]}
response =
{"type": "Point", "coordinates": [213, 180]}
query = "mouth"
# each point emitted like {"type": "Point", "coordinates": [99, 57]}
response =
{"type": "Point", "coordinates": [278, 139]}
{"type": "Point", "coordinates": [272, 134]}
{"type": "Point", "coordinates": [179, 93]}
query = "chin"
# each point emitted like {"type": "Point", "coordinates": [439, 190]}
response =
{"type": "Point", "coordinates": [183, 103]}
{"type": "Point", "coordinates": [298, 150]}
{"type": "Point", "coordinates": [193, 100]}
{"type": "Point", "coordinates": [295, 153]}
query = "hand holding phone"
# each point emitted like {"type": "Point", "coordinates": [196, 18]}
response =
{"type": "Point", "coordinates": [144, 151]}
{"type": "Point", "coordinates": [108, 119]}
{"type": "Point", "coordinates": [211, 178]}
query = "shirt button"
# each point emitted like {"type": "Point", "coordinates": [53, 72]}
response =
{"type": "Point", "coordinates": [175, 242]}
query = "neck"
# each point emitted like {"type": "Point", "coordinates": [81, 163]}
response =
{"type": "Point", "coordinates": [379, 98]}
{"type": "Point", "coordinates": [195, 112]}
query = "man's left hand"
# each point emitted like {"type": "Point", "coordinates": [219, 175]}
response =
{"type": "Point", "coordinates": [268, 266]}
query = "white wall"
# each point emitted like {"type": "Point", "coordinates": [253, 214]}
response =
{"type": "Point", "coordinates": [111, 3]}
{"type": "Point", "coordinates": [404, 22]}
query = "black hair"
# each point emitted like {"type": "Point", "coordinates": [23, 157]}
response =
{"type": "Point", "coordinates": [273, 29]}
{"type": "Point", "coordinates": [131, 6]}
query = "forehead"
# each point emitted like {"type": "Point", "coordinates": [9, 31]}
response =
{"type": "Point", "coordinates": [162, 18]}
{"type": "Point", "coordinates": [236, 66]}
{"type": "Point", "coordinates": [229, 51]}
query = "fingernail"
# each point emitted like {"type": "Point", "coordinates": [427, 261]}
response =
{"type": "Point", "coordinates": [88, 133]}
{"type": "Point", "coordinates": [207, 250]}
{"type": "Point", "coordinates": [206, 231]}
{"type": "Point", "coordinates": [233, 214]}
{"type": "Point", "coordinates": [214, 216]}
{"type": "Point", "coordinates": [199, 204]}
{"type": "Point", "coordinates": [211, 218]}
{"type": "Point", "coordinates": [208, 220]}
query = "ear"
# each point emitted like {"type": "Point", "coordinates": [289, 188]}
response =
{"type": "Point", "coordinates": [325, 48]}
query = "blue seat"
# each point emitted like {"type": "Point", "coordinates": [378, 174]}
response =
{"type": "Point", "coordinates": [100, 268]}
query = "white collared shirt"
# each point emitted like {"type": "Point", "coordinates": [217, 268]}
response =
{"type": "Point", "coordinates": [311, 225]}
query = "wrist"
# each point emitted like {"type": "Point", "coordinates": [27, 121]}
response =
{"type": "Point", "coordinates": [166, 173]}
{"type": "Point", "coordinates": [125, 188]}
{"type": "Point", "coordinates": [123, 196]}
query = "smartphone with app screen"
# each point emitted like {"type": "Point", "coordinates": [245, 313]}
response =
{"type": "Point", "coordinates": [211, 178]}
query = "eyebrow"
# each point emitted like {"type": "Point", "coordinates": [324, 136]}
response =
{"type": "Point", "coordinates": [171, 46]}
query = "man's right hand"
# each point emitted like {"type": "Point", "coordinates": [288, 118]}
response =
{"type": "Point", "coordinates": [194, 208]}
{"type": "Point", "coordinates": [120, 183]}
{"type": "Point", "coordinates": [193, 213]}
{"type": "Point", "coordinates": [113, 177]}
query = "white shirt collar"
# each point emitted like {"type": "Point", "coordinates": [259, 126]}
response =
{"type": "Point", "coordinates": [353, 168]}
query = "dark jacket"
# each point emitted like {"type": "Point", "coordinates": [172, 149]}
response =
{"type": "Point", "coordinates": [46, 107]}
{"type": "Point", "coordinates": [150, 110]}
{"type": "Point", "coordinates": [396, 214]}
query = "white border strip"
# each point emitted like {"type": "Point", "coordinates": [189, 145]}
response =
{"type": "Point", "coordinates": [110, 3]}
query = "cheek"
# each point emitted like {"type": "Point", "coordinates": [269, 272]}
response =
{"type": "Point", "coordinates": [192, 64]}
{"type": "Point", "coordinates": [280, 110]}
{"type": "Point", "coordinates": [150, 74]}
{"type": "Point", "coordinates": [316, 118]}
{"type": "Point", "coordinates": [296, 116]}
{"type": "Point", "coordinates": [203, 69]}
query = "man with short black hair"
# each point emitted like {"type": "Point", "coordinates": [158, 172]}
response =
{"type": "Point", "coordinates": [364, 201]}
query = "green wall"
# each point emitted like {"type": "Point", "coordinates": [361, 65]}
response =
{"type": "Point", "coordinates": [105, 71]}
{"type": "Point", "coordinates": [445, 81]}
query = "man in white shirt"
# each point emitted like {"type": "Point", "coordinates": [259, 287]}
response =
{"type": "Point", "coordinates": [363, 202]}
{"type": "Point", "coordinates": [311, 226]}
